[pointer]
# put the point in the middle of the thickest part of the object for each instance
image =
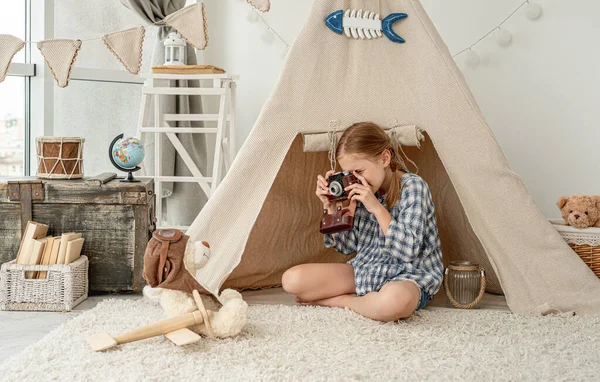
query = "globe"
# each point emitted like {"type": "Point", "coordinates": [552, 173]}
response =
{"type": "Point", "coordinates": [128, 152]}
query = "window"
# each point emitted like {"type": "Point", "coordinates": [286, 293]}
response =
{"type": "Point", "coordinates": [12, 96]}
{"type": "Point", "coordinates": [12, 126]}
{"type": "Point", "coordinates": [12, 21]}
{"type": "Point", "coordinates": [101, 101]}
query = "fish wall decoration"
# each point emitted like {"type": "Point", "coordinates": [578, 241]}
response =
{"type": "Point", "coordinates": [365, 25]}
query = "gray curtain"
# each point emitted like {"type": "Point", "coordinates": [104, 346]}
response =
{"type": "Point", "coordinates": [181, 201]}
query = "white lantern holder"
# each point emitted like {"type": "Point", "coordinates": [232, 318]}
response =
{"type": "Point", "coordinates": [175, 47]}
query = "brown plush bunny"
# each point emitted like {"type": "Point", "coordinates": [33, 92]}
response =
{"type": "Point", "coordinates": [580, 211]}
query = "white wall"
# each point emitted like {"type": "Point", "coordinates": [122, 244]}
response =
{"type": "Point", "coordinates": [236, 46]}
{"type": "Point", "coordinates": [539, 95]}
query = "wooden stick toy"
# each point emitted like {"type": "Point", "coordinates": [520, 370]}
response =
{"type": "Point", "coordinates": [175, 329]}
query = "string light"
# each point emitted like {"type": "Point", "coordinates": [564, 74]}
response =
{"type": "Point", "coordinates": [268, 34]}
{"type": "Point", "coordinates": [503, 37]}
{"type": "Point", "coordinates": [252, 16]}
{"type": "Point", "coordinates": [532, 11]}
{"type": "Point", "coordinates": [284, 51]}
{"type": "Point", "coordinates": [473, 59]}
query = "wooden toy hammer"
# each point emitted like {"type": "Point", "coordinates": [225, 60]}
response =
{"type": "Point", "coordinates": [175, 329]}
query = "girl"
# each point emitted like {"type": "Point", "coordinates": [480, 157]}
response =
{"type": "Point", "coordinates": [398, 264]}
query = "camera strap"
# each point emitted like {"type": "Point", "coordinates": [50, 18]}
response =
{"type": "Point", "coordinates": [333, 141]}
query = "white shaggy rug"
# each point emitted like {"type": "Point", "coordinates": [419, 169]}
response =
{"type": "Point", "coordinates": [314, 343]}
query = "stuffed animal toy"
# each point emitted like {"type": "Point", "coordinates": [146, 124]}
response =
{"type": "Point", "coordinates": [196, 256]}
{"type": "Point", "coordinates": [227, 321]}
{"type": "Point", "coordinates": [580, 211]}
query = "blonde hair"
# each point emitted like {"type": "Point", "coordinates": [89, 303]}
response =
{"type": "Point", "coordinates": [368, 138]}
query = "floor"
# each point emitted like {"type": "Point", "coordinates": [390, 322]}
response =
{"type": "Point", "coordinates": [20, 329]}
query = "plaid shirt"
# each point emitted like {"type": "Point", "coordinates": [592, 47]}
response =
{"type": "Point", "coordinates": [409, 251]}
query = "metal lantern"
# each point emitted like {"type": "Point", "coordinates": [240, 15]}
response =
{"type": "Point", "coordinates": [174, 49]}
{"type": "Point", "coordinates": [464, 284]}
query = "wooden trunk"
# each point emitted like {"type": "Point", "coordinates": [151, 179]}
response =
{"type": "Point", "coordinates": [116, 219]}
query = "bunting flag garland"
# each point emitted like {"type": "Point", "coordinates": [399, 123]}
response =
{"type": "Point", "coordinates": [127, 47]}
{"type": "Point", "coordinates": [60, 55]}
{"type": "Point", "coordinates": [261, 5]}
{"type": "Point", "coordinates": [185, 21]}
{"type": "Point", "coordinates": [9, 46]}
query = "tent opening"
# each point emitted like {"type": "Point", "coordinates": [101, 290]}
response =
{"type": "Point", "coordinates": [286, 231]}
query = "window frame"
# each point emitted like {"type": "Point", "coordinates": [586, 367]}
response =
{"type": "Point", "coordinates": [39, 81]}
{"type": "Point", "coordinates": [26, 70]}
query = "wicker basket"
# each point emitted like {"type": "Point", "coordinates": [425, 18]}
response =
{"type": "Point", "coordinates": [585, 242]}
{"type": "Point", "coordinates": [65, 286]}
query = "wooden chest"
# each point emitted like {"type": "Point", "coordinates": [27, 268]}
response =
{"type": "Point", "coordinates": [116, 219]}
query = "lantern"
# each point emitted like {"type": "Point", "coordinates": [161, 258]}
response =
{"type": "Point", "coordinates": [174, 49]}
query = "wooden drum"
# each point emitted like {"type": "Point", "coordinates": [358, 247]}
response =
{"type": "Point", "coordinates": [59, 157]}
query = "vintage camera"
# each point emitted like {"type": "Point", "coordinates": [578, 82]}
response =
{"type": "Point", "coordinates": [337, 183]}
{"type": "Point", "coordinates": [341, 220]}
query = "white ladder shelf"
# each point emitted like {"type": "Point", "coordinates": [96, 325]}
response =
{"type": "Point", "coordinates": [224, 86]}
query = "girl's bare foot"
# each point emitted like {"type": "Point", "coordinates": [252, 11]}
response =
{"type": "Point", "coordinates": [303, 302]}
{"type": "Point", "coordinates": [334, 302]}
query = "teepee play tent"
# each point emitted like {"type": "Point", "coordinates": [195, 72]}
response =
{"type": "Point", "coordinates": [264, 217]}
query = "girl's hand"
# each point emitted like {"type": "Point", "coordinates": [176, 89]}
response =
{"type": "Point", "coordinates": [323, 190]}
{"type": "Point", "coordinates": [363, 193]}
{"type": "Point", "coordinates": [352, 207]}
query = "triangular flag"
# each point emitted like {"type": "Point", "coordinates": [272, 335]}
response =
{"type": "Point", "coordinates": [60, 55]}
{"type": "Point", "coordinates": [127, 47]}
{"type": "Point", "coordinates": [190, 22]}
{"type": "Point", "coordinates": [261, 5]}
{"type": "Point", "coordinates": [9, 46]}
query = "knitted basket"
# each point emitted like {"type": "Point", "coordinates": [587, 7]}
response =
{"type": "Point", "coordinates": [585, 242]}
{"type": "Point", "coordinates": [65, 286]}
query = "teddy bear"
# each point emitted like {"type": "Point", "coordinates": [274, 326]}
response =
{"type": "Point", "coordinates": [196, 255]}
{"type": "Point", "coordinates": [580, 211]}
{"type": "Point", "coordinates": [228, 321]}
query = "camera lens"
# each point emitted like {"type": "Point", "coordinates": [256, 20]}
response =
{"type": "Point", "coordinates": [336, 189]}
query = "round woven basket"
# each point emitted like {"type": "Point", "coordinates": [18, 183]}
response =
{"type": "Point", "coordinates": [59, 157]}
{"type": "Point", "coordinates": [585, 242]}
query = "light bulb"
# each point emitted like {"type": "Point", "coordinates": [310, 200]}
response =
{"type": "Point", "coordinates": [473, 59]}
{"type": "Point", "coordinates": [503, 37]}
{"type": "Point", "coordinates": [533, 11]}
{"type": "Point", "coordinates": [252, 16]}
{"type": "Point", "coordinates": [284, 51]}
{"type": "Point", "coordinates": [267, 35]}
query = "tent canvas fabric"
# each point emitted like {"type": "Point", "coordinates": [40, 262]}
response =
{"type": "Point", "coordinates": [264, 216]}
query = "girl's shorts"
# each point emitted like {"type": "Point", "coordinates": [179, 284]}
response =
{"type": "Point", "coordinates": [424, 299]}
